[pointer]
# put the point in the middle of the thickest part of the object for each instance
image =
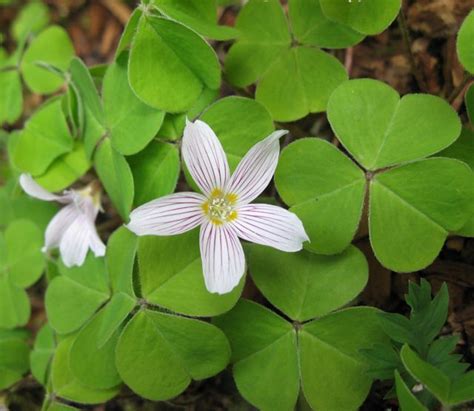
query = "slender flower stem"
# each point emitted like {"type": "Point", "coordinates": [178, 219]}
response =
{"type": "Point", "coordinates": [407, 41]}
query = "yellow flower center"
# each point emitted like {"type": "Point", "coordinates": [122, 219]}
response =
{"type": "Point", "coordinates": [220, 207]}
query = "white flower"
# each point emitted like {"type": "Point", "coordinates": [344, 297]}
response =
{"type": "Point", "coordinates": [223, 212]}
{"type": "Point", "coordinates": [72, 229]}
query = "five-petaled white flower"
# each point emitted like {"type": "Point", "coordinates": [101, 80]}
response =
{"type": "Point", "coordinates": [223, 212]}
{"type": "Point", "coordinates": [72, 229]}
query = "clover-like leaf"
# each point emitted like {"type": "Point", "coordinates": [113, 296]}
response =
{"type": "Point", "coordinates": [11, 99]}
{"type": "Point", "coordinates": [418, 203]}
{"type": "Point", "coordinates": [273, 359]}
{"type": "Point", "coordinates": [302, 284]}
{"type": "Point", "coordinates": [66, 386]}
{"type": "Point", "coordinates": [31, 18]}
{"type": "Point", "coordinates": [73, 297]}
{"type": "Point", "coordinates": [155, 171]}
{"type": "Point", "coordinates": [176, 282]}
{"type": "Point", "coordinates": [14, 304]}
{"type": "Point", "coordinates": [170, 64]}
{"type": "Point", "coordinates": [52, 47]}
{"type": "Point", "coordinates": [42, 354]}
{"type": "Point", "coordinates": [465, 45]}
{"type": "Point", "coordinates": [379, 129]}
{"type": "Point", "coordinates": [44, 138]}
{"type": "Point", "coordinates": [329, 203]}
{"type": "Point", "coordinates": [199, 15]}
{"type": "Point", "coordinates": [158, 354]}
{"type": "Point", "coordinates": [367, 17]}
{"type": "Point", "coordinates": [14, 352]}
{"type": "Point", "coordinates": [311, 26]}
{"type": "Point", "coordinates": [291, 81]}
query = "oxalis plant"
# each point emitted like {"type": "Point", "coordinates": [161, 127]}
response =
{"type": "Point", "coordinates": [149, 190]}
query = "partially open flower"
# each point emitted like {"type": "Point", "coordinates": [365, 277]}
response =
{"type": "Point", "coordinates": [223, 210]}
{"type": "Point", "coordinates": [72, 229]}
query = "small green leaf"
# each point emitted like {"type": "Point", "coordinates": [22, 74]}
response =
{"type": "Point", "coordinates": [30, 20]}
{"type": "Point", "coordinates": [170, 64]}
{"type": "Point", "coordinates": [131, 123]}
{"type": "Point", "coordinates": [463, 148]}
{"type": "Point", "coordinates": [419, 203]}
{"type": "Point", "coordinates": [42, 354]}
{"type": "Point", "coordinates": [407, 400]}
{"type": "Point", "coordinates": [176, 282]}
{"type": "Point", "coordinates": [66, 386]}
{"type": "Point", "coordinates": [158, 354]}
{"type": "Point", "coordinates": [65, 170]}
{"type": "Point", "coordinates": [11, 99]}
{"type": "Point", "coordinates": [379, 129]}
{"type": "Point", "coordinates": [311, 26]}
{"type": "Point", "coordinates": [128, 32]}
{"type": "Point", "coordinates": [116, 176]}
{"type": "Point", "coordinates": [302, 284]}
{"type": "Point", "coordinates": [465, 45]}
{"type": "Point", "coordinates": [72, 298]}
{"type": "Point", "coordinates": [155, 171]}
{"type": "Point", "coordinates": [299, 82]}
{"type": "Point", "coordinates": [366, 17]}
{"type": "Point", "coordinates": [14, 362]}
{"type": "Point", "coordinates": [14, 304]}
{"type": "Point", "coordinates": [52, 47]}
{"type": "Point", "coordinates": [44, 138]}
{"type": "Point", "coordinates": [325, 189]}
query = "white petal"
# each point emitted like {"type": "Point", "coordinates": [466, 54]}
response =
{"type": "Point", "coordinates": [33, 189]}
{"type": "Point", "coordinates": [95, 243]}
{"type": "Point", "coordinates": [256, 169]}
{"type": "Point", "coordinates": [169, 215]}
{"type": "Point", "coordinates": [75, 242]}
{"type": "Point", "coordinates": [223, 259]}
{"type": "Point", "coordinates": [58, 226]}
{"type": "Point", "coordinates": [204, 156]}
{"type": "Point", "coordinates": [270, 225]}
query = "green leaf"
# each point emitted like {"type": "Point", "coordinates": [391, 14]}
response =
{"type": "Point", "coordinates": [464, 44]}
{"type": "Point", "coordinates": [325, 189]}
{"type": "Point", "coordinates": [116, 176]}
{"type": "Point", "coordinates": [299, 82]}
{"type": "Point", "coordinates": [52, 47]}
{"type": "Point", "coordinates": [158, 354]}
{"type": "Point", "coordinates": [419, 203]}
{"type": "Point", "coordinates": [200, 15]}
{"type": "Point", "coordinates": [366, 17]}
{"type": "Point", "coordinates": [65, 170]}
{"type": "Point", "coordinates": [129, 31]}
{"type": "Point", "coordinates": [379, 129]}
{"type": "Point", "coordinates": [120, 259]}
{"type": "Point", "coordinates": [93, 364]}
{"type": "Point", "coordinates": [30, 20]}
{"type": "Point", "coordinates": [462, 149]}
{"type": "Point", "coordinates": [302, 284]}
{"type": "Point", "coordinates": [264, 353]}
{"type": "Point", "coordinates": [66, 386]}
{"type": "Point", "coordinates": [42, 354]}
{"type": "Point", "coordinates": [407, 400]}
{"type": "Point", "coordinates": [239, 123]}
{"type": "Point", "coordinates": [469, 100]}
{"type": "Point", "coordinates": [72, 298]}
{"type": "Point", "coordinates": [264, 37]}
{"type": "Point", "coordinates": [24, 262]}
{"type": "Point", "coordinates": [177, 282]}
{"type": "Point", "coordinates": [448, 391]}
{"type": "Point", "coordinates": [14, 304]}
{"type": "Point", "coordinates": [330, 358]}
{"type": "Point", "coordinates": [155, 171]}
{"type": "Point", "coordinates": [11, 99]}
{"type": "Point", "coordinates": [130, 122]}
{"type": "Point", "coordinates": [311, 26]}
{"type": "Point", "coordinates": [44, 138]}
{"type": "Point", "coordinates": [170, 64]}
{"type": "Point", "coordinates": [14, 362]}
